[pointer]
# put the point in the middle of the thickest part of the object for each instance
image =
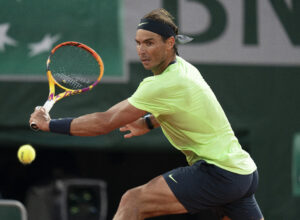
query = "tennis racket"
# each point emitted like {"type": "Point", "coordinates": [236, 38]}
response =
{"type": "Point", "coordinates": [74, 68]}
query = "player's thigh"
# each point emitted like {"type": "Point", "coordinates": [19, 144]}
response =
{"type": "Point", "coordinates": [158, 199]}
{"type": "Point", "coordinates": [245, 208]}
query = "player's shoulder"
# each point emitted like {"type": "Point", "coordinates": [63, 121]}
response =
{"type": "Point", "coordinates": [149, 85]}
{"type": "Point", "coordinates": [148, 81]}
{"type": "Point", "coordinates": [186, 64]}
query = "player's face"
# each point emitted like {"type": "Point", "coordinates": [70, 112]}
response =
{"type": "Point", "coordinates": [151, 49]}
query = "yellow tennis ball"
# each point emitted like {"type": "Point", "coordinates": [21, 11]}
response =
{"type": "Point", "coordinates": [26, 154]}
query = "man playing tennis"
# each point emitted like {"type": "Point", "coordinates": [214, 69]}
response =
{"type": "Point", "coordinates": [220, 175]}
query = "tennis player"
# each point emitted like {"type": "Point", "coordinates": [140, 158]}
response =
{"type": "Point", "coordinates": [220, 174]}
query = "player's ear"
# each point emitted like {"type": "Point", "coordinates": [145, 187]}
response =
{"type": "Point", "coordinates": [171, 42]}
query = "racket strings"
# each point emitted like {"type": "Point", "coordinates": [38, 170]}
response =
{"type": "Point", "coordinates": [71, 81]}
{"type": "Point", "coordinates": [74, 67]}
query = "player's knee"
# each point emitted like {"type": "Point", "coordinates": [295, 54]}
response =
{"type": "Point", "coordinates": [130, 198]}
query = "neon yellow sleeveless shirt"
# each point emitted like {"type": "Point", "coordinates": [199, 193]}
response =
{"type": "Point", "coordinates": [191, 117]}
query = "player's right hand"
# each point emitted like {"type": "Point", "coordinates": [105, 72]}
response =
{"type": "Point", "coordinates": [136, 128]}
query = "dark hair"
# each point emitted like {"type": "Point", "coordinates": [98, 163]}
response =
{"type": "Point", "coordinates": [164, 16]}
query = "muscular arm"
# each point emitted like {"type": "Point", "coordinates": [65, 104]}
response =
{"type": "Point", "coordinates": [96, 123]}
{"type": "Point", "coordinates": [103, 122]}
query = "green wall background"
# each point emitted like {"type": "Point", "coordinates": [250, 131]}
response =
{"type": "Point", "coordinates": [260, 100]}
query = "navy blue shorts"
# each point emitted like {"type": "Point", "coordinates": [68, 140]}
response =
{"type": "Point", "coordinates": [206, 186]}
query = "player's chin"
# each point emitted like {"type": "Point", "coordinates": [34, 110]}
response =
{"type": "Point", "coordinates": [147, 65]}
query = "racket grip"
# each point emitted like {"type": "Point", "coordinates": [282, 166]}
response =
{"type": "Point", "coordinates": [48, 105]}
{"type": "Point", "coordinates": [34, 126]}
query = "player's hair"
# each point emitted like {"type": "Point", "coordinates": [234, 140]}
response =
{"type": "Point", "coordinates": [164, 16]}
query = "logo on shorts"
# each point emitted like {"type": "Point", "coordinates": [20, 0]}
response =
{"type": "Point", "coordinates": [172, 178]}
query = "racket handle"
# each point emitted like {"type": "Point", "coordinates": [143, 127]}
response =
{"type": "Point", "coordinates": [48, 105]}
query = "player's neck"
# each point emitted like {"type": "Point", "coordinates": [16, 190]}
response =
{"type": "Point", "coordinates": [161, 68]}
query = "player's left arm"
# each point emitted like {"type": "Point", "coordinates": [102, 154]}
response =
{"type": "Point", "coordinates": [104, 122]}
{"type": "Point", "coordinates": [94, 124]}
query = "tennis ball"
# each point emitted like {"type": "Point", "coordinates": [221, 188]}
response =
{"type": "Point", "coordinates": [26, 154]}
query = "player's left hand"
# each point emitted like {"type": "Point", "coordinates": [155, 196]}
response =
{"type": "Point", "coordinates": [41, 118]}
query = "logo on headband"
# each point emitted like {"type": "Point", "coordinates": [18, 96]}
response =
{"type": "Point", "coordinates": [142, 23]}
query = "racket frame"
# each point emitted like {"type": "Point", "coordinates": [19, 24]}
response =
{"type": "Point", "coordinates": [52, 98]}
